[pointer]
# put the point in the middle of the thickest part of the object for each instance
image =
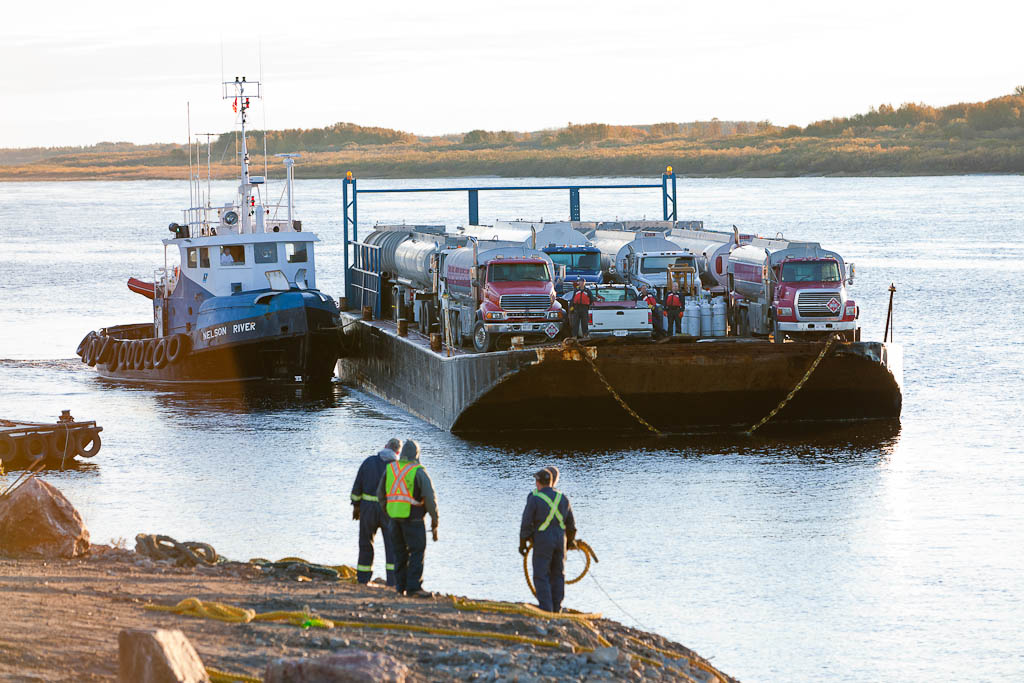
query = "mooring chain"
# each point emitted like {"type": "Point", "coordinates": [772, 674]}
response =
{"type": "Point", "coordinates": [798, 387]}
{"type": "Point", "coordinates": [611, 389]}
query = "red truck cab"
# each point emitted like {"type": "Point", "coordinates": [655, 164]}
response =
{"type": "Point", "coordinates": [517, 297]}
{"type": "Point", "coordinates": [811, 299]}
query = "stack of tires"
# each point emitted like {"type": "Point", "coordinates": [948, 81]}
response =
{"type": "Point", "coordinates": [58, 445]}
{"type": "Point", "coordinates": [132, 354]}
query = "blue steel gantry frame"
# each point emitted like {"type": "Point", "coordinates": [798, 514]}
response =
{"type": "Point", "coordinates": [350, 194]}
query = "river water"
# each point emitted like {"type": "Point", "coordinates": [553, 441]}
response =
{"type": "Point", "coordinates": [855, 553]}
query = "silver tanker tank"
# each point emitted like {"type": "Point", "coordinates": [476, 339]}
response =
{"type": "Point", "coordinates": [712, 249]}
{"type": "Point", "coordinates": [535, 234]}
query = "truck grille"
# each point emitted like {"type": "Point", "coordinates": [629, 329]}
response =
{"type": "Point", "coordinates": [523, 302]}
{"type": "Point", "coordinates": [816, 304]}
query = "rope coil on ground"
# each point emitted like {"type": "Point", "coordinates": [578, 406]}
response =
{"type": "Point", "coordinates": [187, 554]}
{"type": "Point", "coordinates": [799, 385]}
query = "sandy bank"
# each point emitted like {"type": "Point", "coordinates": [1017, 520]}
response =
{"type": "Point", "coordinates": [59, 621]}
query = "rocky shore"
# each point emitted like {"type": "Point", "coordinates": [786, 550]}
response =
{"type": "Point", "coordinates": [65, 605]}
{"type": "Point", "coordinates": [61, 620]}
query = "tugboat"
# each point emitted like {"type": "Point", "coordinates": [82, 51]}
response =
{"type": "Point", "coordinates": [243, 304]}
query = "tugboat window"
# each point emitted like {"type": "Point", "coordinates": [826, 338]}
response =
{"type": "Point", "coordinates": [232, 255]}
{"type": "Point", "coordinates": [204, 257]}
{"type": "Point", "coordinates": [193, 258]}
{"type": "Point", "coordinates": [266, 253]}
{"type": "Point", "coordinates": [296, 252]}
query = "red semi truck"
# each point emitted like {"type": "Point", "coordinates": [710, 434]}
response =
{"type": "Point", "coordinates": [492, 293]}
{"type": "Point", "coordinates": [794, 289]}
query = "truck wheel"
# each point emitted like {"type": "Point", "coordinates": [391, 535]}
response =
{"type": "Point", "coordinates": [483, 341]}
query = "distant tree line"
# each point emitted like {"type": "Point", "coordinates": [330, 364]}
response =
{"type": "Point", "coordinates": [981, 137]}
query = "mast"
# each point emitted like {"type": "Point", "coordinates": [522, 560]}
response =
{"type": "Point", "coordinates": [236, 90]}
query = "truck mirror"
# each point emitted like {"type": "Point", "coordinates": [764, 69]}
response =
{"type": "Point", "coordinates": [851, 272]}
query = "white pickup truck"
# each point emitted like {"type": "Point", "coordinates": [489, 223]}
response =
{"type": "Point", "coordinates": [618, 312]}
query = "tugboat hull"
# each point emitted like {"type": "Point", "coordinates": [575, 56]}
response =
{"type": "Point", "coordinates": [306, 352]}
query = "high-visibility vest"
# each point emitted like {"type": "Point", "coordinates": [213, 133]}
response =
{"type": "Point", "coordinates": [672, 300]}
{"type": "Point", "coordinates": [651, 301]}
{"type": "Point", "coordinates": [398, 484]}
{"type": "Point", "coordinates": [554, 513]}
{"type": "Point", "coordinates": [581, 297]}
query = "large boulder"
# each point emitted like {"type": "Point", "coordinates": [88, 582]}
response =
{"type": "Point", "coordinates": [36, 520]}
{"type": "Point", "coordinates": [158, 656]}
{"type": "Point", "coordinates": [351, 666]}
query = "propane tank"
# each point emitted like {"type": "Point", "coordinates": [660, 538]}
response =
{"type": "Point", "coordinates": [691, 318]}
{"type": "Point", "coordinates": [718, 324]}
{"type": "Point", "coordinates": [705, 318]}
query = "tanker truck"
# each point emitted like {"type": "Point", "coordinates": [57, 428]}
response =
{"type": "Point", "coordinates": [563, 241]}
{"type": "Point", "coordinates": [712, 248]}
{"type": "Point", "coordinates": [794, 289]}
{"type": "Point", "coordinates": [481, 293]}
{"type": "Point", "coordinates": [640, 257]}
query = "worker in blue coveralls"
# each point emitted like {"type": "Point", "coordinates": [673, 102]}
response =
{"type": "Point", "coordinates": [366, 509]}
{"type": "Point", "coordinates": [548, 520]}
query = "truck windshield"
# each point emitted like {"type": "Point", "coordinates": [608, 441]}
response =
{"type": "Point", "coordinates": [658, 264]}
{"type": "Point", "coordinates": [810, 271]}
{"type": "Point", "coordinates": [577, 260]}
{"type": "Point", "coordinates": [519, 272]}
{"type": "Point", "coordinates": [615, 294]}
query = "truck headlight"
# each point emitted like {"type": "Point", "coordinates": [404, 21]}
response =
{"type": "Point", "coordinates": [785, 311]}
{"type": "Point", "coordinates": [495, 315]}
{"type": "Point", "coordinates": [554, 315]}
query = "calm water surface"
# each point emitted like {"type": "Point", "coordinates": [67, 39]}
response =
{"type": "Point", "coordinates": [858, 553]}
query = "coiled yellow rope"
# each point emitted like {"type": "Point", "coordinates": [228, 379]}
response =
{"type": "Point", "coordinates": [582, 546]}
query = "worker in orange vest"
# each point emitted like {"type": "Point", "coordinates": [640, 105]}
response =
{"type": "Point", "coordinates": [579, 311]}
{"type": "Point", "coordinates": [674, 311]}
{"type": "Point", "coordinates": [652, 303]}
{"type": "Point", "coordinates": [406, 494]}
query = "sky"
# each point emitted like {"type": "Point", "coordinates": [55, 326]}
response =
{"type": "Point", "coordinates": [80, 73]}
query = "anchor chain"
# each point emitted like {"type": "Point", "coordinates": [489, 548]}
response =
{"type": "Point", "coordinates": [798, 387]}
{"type": "Point", "coordinates": [569, 343]}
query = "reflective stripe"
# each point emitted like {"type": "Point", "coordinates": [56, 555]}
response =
{"type": "Point", "coordinates": [363, 568]}
{"type": "Point", "coordinates": [553, 504]}
{"type": "Point", "coordinates": [399, 479]}
{"type": "Point", "coordinates": [367, 496]}
{"type": "Point", "coordinates": [399, 492]}
{"type": "Point", "coordinates": [389, 567]}
{"type": "Point", "coordinates": [355, 497]}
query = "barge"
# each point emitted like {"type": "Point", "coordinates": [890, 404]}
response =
{"type": "Point", "coordinates": [406, 335]}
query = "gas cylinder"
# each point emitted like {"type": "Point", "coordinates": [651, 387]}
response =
{"type": "Point", "coordinates": [705, 318]}
{"type": "Point", "coordinates": [691, 318]}
{"type": "Point", "coordinates": [718, 323]}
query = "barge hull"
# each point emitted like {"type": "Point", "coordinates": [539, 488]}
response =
{"type": "Point", "coordinates": [676, 387]}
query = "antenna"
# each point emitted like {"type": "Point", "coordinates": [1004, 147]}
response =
{"type": "Point", "coordinates": [208, 136]}
{"type": "Point", "coordinates": [188, 125]}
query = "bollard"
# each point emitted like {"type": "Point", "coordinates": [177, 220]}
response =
{"type": "Point", "coordinates": [367, 312]}
{"type": "Point", "coordinates": [343, 304]}
{"type": "Point", "coordinates": [403, 327]}
{"type": "Point", "coordinates": [435, 341]}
